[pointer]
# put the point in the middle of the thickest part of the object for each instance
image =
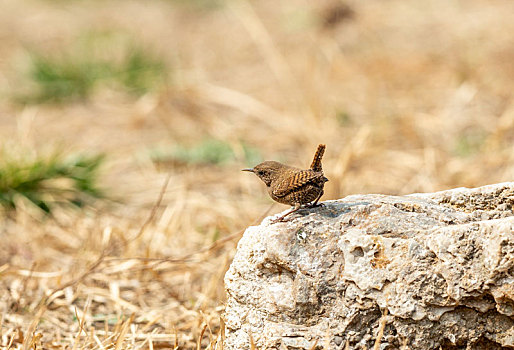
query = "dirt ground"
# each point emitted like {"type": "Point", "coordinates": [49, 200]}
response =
{"type": "Point", "coordinates": [407, 96]}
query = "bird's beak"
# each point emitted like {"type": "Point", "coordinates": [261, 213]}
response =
{"type": "Point", "coordinates": [249, 169]}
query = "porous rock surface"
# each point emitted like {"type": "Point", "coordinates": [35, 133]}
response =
{"type": "Point", "coordinates": [423, 271]}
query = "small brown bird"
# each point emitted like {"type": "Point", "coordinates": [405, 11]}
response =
{"type": "Point", "coordinates": [293, 186]}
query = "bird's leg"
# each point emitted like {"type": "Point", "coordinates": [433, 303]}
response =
{"type": "Point", "coordinates": [297, 207]}
{"type": "Point", "coordinates": [315, 203]}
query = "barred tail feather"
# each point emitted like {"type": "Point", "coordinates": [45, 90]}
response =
{"type": "Point", "coordinates": [316, 162]}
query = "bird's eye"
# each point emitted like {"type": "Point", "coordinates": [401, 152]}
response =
{"type": "Point", "coordinates": [261, 172]}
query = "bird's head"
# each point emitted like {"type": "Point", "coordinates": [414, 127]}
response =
{"type": "Point", "coordinates": [267, 171]}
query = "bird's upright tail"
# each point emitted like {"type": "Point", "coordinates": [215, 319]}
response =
{"type": "Point", "coordinates": [316, 162]}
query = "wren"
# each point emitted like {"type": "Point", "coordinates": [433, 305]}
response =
{"type": "Point", "coordinates": [289, 185]}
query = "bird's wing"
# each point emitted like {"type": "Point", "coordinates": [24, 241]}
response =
{"type": "Point", "coordinates": [297, 180]}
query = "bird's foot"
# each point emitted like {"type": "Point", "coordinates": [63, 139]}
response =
{"type": "Point", "coordinates": [280, 219]}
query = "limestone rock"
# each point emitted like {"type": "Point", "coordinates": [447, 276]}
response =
{"type": "Point", "coordinates": [424, 271]}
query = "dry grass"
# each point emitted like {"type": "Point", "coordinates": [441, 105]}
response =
{"type": "Point", "coordinates": [408, 97]}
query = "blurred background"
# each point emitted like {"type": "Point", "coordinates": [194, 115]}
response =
{"type": "Point", "coordinates": [124, 125]}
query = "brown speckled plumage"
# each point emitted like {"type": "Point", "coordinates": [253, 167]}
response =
{"type": "Point", "coordinates": [293, 186]}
